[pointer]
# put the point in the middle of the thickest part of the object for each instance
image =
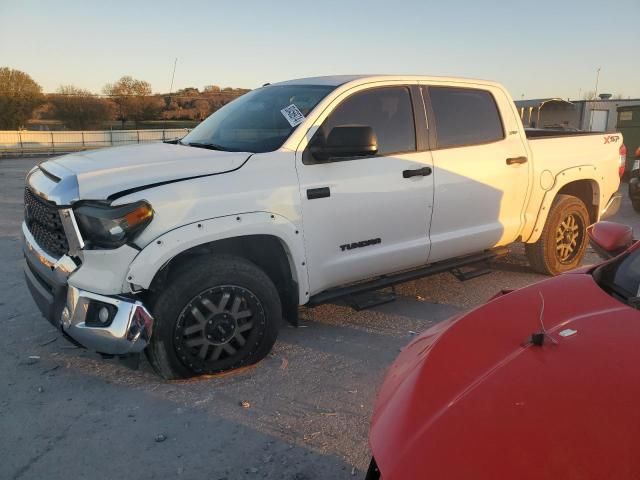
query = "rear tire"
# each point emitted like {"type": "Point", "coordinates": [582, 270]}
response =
{"type": "Point", "coordinates": [217, 313]}
{"type": "Point", "coordinates": [563, 241]}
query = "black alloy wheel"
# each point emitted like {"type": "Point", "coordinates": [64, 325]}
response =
{"type": "Point", "coordinates": [217, 326]}
{"type": "Point", "coordinates": [217, 313]}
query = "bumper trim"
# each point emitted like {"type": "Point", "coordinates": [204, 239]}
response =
{"type": "Point", "coordinates": [46, 277]}
{"type": "Point", "coordinates": [129, 331]}
{"type": "Point", "coordinates": [32, 247]}
{"type": "Point", "coordinates": [612, 206]}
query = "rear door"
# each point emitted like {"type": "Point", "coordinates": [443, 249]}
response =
{"type": "Point", "coordinates": [481, 170]}
{"type": "Point", "coordinates": [366, 216]}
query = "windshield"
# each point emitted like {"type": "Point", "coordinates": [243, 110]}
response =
{"type": "Point", "coordinates": [621, 277]}
{"type": "Point", "coordinates": [254, 122]}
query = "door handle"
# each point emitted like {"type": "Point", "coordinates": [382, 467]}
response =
{"type": "Point", "coordinates": [418, 172]}
{"type": "Point", "coordinates": [516, 160]}
{"type": "Point", "coordinates": [322, 192]}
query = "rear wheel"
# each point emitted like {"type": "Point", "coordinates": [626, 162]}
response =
{"type": "Point", "coordinates": [217, 314]}
{"type": "Point", "coordinates": [563, 241]}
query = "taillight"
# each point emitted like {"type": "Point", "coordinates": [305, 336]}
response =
{"type": "Point", "coordinates": [638, 152]}
{"type": "Point", "coordinates": [623, 159]}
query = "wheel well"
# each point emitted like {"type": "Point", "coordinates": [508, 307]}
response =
{"type": "Point", "coordinates": [587, 191]}
{"type": "Point", "coordinates": [266, 251]}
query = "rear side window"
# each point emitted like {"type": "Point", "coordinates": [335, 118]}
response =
{"type": "Point", "coordinates": [387, 110]}
{"type": "Point", "coordinates": [465, 116]}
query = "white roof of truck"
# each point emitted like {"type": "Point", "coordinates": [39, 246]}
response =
{"type": "Point", "coordinates": [336, 80]}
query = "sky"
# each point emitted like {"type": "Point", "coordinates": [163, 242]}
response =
{"type": "Point", "coordinates": [535, 48]}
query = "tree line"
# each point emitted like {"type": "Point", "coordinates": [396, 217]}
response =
{"type": "Point", "coordinates": [126, 100]}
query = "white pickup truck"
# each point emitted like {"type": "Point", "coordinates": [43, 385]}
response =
{"type": "Point", "coordinates": [294, 194]}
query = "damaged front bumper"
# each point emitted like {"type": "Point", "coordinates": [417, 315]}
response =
{"type": "Point", "coordinates": [126, 329]}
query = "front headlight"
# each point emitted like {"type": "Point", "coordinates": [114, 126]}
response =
{"type": "Point", "coordinates": [105, 226]}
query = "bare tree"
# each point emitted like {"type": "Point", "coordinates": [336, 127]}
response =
{"type": "Point", "coordinates": [188, 92]}
{"type": "Point", "coordinates": [133, 99]}
{"type": "Point", "coordinates": [202, 109]}
{"type": "Point", "coordinates": [19, 96]}
{"type": "Point", "coordinates": [79, 109]}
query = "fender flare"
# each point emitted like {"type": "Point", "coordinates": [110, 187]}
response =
{"type": "Point", "coordinates": [560, 180]}
{"type": "Point", "coordinates": [165, 247]}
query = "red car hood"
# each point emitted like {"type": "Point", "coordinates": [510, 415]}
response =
{"type": "Point", "coordinates": [467, 400]}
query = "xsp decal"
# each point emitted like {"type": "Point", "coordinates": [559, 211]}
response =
{"type": "Point", "coordinates": [363, 243]}
{"type": "Point", "coordinates": [611, 138]}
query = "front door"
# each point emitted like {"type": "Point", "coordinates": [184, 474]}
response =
{"type": "Point", "coordinates": [367, 216]}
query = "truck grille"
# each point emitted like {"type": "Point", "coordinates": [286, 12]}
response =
{"type": "Point", "coordinates": [44, 223]}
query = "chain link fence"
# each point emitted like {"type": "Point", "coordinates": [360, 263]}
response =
{"type": "Point", "coordinates": [25, 142]}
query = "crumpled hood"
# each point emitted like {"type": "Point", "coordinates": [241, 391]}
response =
{"type": "Point", "coordinates": [101, 173]}
{"type": "Point", "coordinates": [470, 399]}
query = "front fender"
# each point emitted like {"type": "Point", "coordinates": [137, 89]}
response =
{"type": "Point", "coordinates": [155, 255]}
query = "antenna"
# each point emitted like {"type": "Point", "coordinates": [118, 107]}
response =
{"type": "Point", "coordinates": [541, 315]}
{"type": "Point", "coordinates": [537, 338]}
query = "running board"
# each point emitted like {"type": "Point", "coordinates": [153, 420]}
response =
{"type": "Point", "coordinates": [471, 271]}
{"type": "Point", "coordinates": [406, 276]}
{"type": "Point", "coordinates": [362, 301]}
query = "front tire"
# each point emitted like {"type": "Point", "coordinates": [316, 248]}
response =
{"type": "Point", "coordinates": [563, 242]}
{"type": "Point", "coordinates": [216, 314]}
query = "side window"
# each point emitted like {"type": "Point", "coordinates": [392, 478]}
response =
{"type": "Point", "coordinates": [465, 116]}
{"type": "Point", "coordinates": [387, 110]}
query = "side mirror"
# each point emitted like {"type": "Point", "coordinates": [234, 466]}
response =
{"type": "Point", "coordinates": [346, 141]}
{"type": "Point", "coordinates": [610, 239]}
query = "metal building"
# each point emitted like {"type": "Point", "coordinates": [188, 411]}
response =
{"type": "Point", "coordinates": [588, 115]}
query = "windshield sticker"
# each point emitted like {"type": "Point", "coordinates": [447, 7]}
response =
{"type": "Point", "coordinates": [293, 115]}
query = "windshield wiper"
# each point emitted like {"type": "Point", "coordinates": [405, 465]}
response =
{"type": "Point", "coordinates": [209, 146]}
{"type": "Point", "coordinates": [617, 292]}
{"type": "Point", "coordinates": [634, 302]}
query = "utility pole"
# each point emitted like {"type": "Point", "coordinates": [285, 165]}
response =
{"type": "Point", "coordinates": [595, 97]}
{"type": "Point", "coordinates": [597, 78]}
{"type": "Point", "coordinates": [173, 76]}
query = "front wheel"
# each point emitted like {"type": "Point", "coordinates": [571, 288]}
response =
{"type": "Point", "coordinates": [217, 314]}
{"type": "Point", "coordinates": [563, 241]}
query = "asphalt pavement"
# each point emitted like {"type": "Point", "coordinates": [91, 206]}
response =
{"type": "Point", "coordinates": [67, 413]}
